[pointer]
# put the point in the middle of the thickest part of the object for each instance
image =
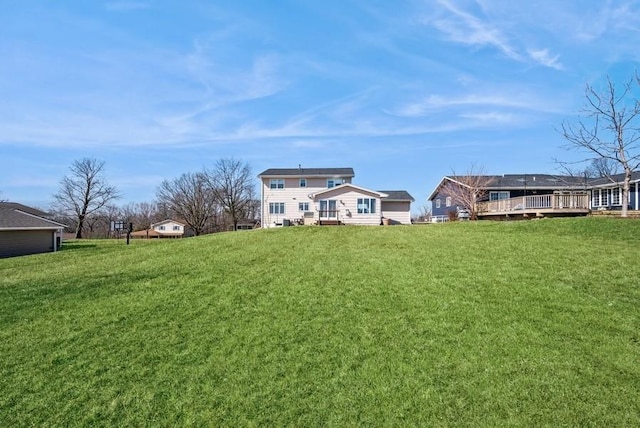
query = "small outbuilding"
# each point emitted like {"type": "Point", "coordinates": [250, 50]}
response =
{"type": "Point", "coordinates": [25, 230]}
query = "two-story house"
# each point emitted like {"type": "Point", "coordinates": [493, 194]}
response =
{"type": "Point", "coordinates": [327, 196]}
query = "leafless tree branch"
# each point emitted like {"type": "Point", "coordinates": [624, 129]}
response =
{"type": "Point", "coordinates": [84, 192]}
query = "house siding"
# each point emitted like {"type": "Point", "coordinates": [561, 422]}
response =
{"type": "Point", "coordinates": [24, 242]}
{"type": "Point", "coordinates": [396, 211]}
{"type": "Point", "coordinates": [291, 196]}
{"type": "Point", "coordinates": [168, 227]}
{"type": "Point", "coordinates": [347, 205]}
{"type": "Point", "coordinates": [443, 210]}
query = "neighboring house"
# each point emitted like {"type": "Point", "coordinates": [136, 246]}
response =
{"type": "Point", "coordinates": [326, 196]}
{"type": "Point", "coordinates": [539, 194]}
{"type": "Point", "coordinates": [163, 229]}
{"type": "Point", "coordinates": [25, 230]}
{"type": "Point", "coordinates": [606, 193]}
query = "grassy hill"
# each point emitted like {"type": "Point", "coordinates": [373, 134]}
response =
{"type": "Point", "coordinates": [515, 323]}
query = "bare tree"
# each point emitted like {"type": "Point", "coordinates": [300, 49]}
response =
{"type": "Point", "coordinates": [468, 189]}
{"type": "Point", "coordinates": [84, 191]}
{"type": "Point", "coordinates": [423, 215]}
{"type": "Point", "coordinates": [231, 184]}
{"type": "Point", "coordinates": [602, 168]}
{"type": "Point", "coordinates": [144, 215]}
{"type": "Point", "coordinates": [191, 198]}
{"type": "Point", "coordinates": [610, 129]}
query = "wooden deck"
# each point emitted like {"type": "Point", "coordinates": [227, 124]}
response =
{"type": "Point", "coordinates": [327, 222]}
{"type": "Point", "coordinates": [574, 204]}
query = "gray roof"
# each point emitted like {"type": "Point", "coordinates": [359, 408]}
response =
{"type": "Point", "coordinates": [397, 195]}
{"type": "Point", "coordinates": [12, 218]}
{"type": "Point", "coordinates": [618, 178]}
{"type": "Point", "coordinates": [307, 172]}
{"type": "Point", "coordinates": [530, 181]}
{"type": "Point", "coordinates": [26, 209]}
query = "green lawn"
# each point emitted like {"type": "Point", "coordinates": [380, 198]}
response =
{"type": "Point", "coordinates": [516, 323]}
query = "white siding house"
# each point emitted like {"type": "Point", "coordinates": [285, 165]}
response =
{"type": "Point", "coordinates": [285, 192]}
{"type": "Point", "coordinates": [349, 204]}
{"type": "Point", "coordinates": [327, 196]}
{"type": "Point", "coordinates": [169, 228]}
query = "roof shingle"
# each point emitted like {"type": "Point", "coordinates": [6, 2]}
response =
{"type": "Point", "coordinates": [308, 172]}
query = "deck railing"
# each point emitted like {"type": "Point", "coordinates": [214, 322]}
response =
{"type": "Point", "coordinates": [557, 201]}
{"type": "Point", "coordinates": [328, 214]}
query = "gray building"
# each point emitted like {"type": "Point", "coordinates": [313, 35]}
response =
{"type": "Point", "coordinates": [25, 230]}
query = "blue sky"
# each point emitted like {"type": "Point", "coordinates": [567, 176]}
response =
{"type": "Point", "coordinates": [402, 91]}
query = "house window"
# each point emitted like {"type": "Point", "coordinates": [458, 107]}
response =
{"type": "Point", "coordinates": [161, 228]}
{"type": "Point", "coordinates": [276, 207]}
{"type": "Point", "coordinates": [276, 183]}
{"type": "Point", "coordinates": [176, 227]}
{"type": "Point", "coordinates": [600, 198]}
{"type": "Point", "coordinates": [303, 206]}
{"type": "Point", "coordinates": [333, 182]}
{"type": "Point", "coordinates": [366, 206]}
{"type": "Point", "coordinates": [437, 203]}
{"type": "Point", "coordinates": [497, 196]}
{"type": "Point", "coordinates": [303, 182]}
{"type": "Point", "coordinates": [448, 201]}
{"type": "Point", "coordinates": [616, 196]}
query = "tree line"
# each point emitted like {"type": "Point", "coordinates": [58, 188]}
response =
{"type": "Point", "coordinates": [207, 201]}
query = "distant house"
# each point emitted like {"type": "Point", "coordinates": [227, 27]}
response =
{"type": "Point", "coordinates": [539, 195]}
{"type": "Point", "coordinates": [163, 229]}
{"type": "Point", "coordinates": [25, 230]}
{"type": "Point", "coordinates": [327, 196]}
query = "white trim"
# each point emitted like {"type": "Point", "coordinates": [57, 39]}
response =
{"type": "Point", "coordinates": [352, 186]}
{"type": "Point", "coordinates": [262, 205]}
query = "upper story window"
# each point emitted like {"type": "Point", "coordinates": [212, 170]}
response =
{"type": "Point", "coordinates": [437, 203]}
{"type": "Point", "coordinates": [366, 206]}
{"type": "Point", "coordinates": [160, 227]}
{"type": "Point", "coordinates": [176, 227]}
{"type": "Point", "coordinates": [447, 201]}
{"type": "Point", "coordinates": [303, 182]}
{"type": "Point", "coordinates": [276, 183]}
{"type": "Point", "coordinates": [333, 182]}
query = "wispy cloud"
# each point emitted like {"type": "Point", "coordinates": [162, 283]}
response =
{"type": "Point", "coordinates": [463, 27]}
{"type": "Point", "coordinates": [542, 56]}
{"type": "Point", "coordinates": [434, 103]}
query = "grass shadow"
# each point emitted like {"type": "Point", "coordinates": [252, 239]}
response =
{"type": "Point", "coordinates": [76, 246]}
